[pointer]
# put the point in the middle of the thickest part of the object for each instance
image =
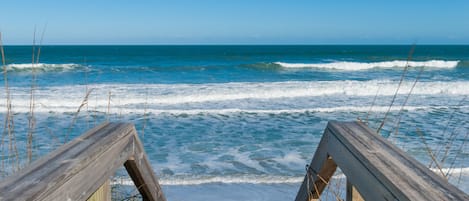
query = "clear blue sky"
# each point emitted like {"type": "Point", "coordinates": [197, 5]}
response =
{"type": "Point", "coordinates": [237, 21]}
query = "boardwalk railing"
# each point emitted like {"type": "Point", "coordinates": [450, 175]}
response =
{"type": "Point", "coordinates": [81, 168]}
{"type": "Point", "coordinates": [375, 169]}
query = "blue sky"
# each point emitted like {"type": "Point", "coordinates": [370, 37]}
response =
{"type": "Point", "coordinates": [237, 22]}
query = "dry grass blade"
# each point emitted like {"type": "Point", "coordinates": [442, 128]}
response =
{"type": "Point", "coordinates": [108, 106]}
{"type": "Point", "coordinates": [145, 115]}
{"type": "Point", "coordinates": [316, 190]}
{"type": "Point", "coordinates": [40, 44]}
{"type": "Point", "coordinates": [409, 58]}
{"type": "Point", "coordinates": [430, 153]}
{"type": "Point", "coordinates": [86, 90]}
{"type": "Point", "coordinates": [3, 136]}
{"type": "Point", "coordinates": [452, 136]}
{"type": "Point", "coordinates": [449, 145]}
{"type": "Point", "coordinates": [31, 123]}
{"type": "Point", "coordinates": [372, 105]}
{"type": "Point", "coordinates": [453, 163]}
{"type": "Point", "coordinates": [75, 117]}
{"type": "Point", "coordinates": [9, 125]}
{"type": "Point", "coordinates": [95, 116]}
{"type": "Point", "coordinates": [7, 93]}
{"type": "Point", "coordinates": [401, 110]}
{"type": "Point", "coordinates": [32, 102]}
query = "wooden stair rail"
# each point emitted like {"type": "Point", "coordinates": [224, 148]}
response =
{"type": "Point", "coordinates": [79, 168]}
{"type": "Point", "coordinates": [375, 169]}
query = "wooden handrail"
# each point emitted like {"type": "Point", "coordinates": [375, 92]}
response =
{"type": "Point", "coordinates": [374, 167]}
{"type": "Point", "coordinates": [77, 169]}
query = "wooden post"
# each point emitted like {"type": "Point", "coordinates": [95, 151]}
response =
{"type": "Point", "coordinates": [141, 172]}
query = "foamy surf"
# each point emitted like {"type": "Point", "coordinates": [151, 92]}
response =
{"type": "Point", "coordinates": [122, 109]}
{"type": "Point", "coordinates": [234, 179]}
{"type": "Point", "coordinates": [352, 66]}
{"type": "Point", "coordinates": [42, 67]}
{"type": "Point", "coordinates": [251, 179]}
{"type": "Point", "coordinates": [224, 98]}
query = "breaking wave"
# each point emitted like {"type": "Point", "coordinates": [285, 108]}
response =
{"type": "Point", "coordinates": [234, 179]}
{"type": "Point", "coordinates": [132, 110]}
{"type": "Point", "coordinates": [352, 66]}
{"type": "Point", "coordinates": [43, 67]}
{"type": "Point", "coordinates": [227, 97]}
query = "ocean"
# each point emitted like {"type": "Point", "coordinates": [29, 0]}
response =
{"type": "Point", "coordinates": [241, 122]}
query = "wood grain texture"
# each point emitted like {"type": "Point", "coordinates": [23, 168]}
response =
{"type": "Point", "coordinates": [142, 175]}
{"type": "Point", "coordinates": [377, 169]}
{"type": "Point", "coordinates": [77, 169]}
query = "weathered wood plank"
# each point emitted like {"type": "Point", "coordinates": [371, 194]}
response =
{"type": "Point", "coordinates": [77, 169]}
{"type": "Point", "coordinates": [89, 178]}
{"type": "Point", "coordinates": [49, 175]}
{"type": "Point", "coordinates": [357, 172]}
{"type": "Point", "coordinates": [369, 161]}
{"type": "Point", "coordinates": [376, 168]}
{"type": "Point", "coordinates": [142, 174]}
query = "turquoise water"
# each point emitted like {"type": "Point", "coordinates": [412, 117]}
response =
{"type": "Point", "coordinates": [243, 117]}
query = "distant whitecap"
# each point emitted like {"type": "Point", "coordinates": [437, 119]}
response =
{"type": "Point", "coordinates": [351, 66]}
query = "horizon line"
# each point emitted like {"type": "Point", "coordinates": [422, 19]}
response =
{"type": "Point", "coordinates": [237, 44]}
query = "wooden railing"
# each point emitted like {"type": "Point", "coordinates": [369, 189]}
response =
{"type": "Point", "coordinates": [80, 168]}
{"type": "Point", "coordinates": [375, 169]}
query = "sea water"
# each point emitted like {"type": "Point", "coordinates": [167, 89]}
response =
{"type": "Point", "coordinates": [241, 122]}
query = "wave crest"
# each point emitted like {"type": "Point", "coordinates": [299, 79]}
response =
{"type": "Point", "coordinates": [44, 67]}
{"type": "Point", "coordinates": [227, 97]}
{"type": "Point", "coordinates": [233, 179]}
{"type": "Point", "coordinates": [351, 66]}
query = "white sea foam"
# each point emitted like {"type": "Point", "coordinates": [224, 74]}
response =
{"type": "Point", "coordinates": [233, 97]}
{"type": "Point", "coordinates": [181, 94]}
{"type": "Point", "coordinates": [131, 110]}
{"type": "Point", "coordinates": [247, 179]}
{"type": "Point", "coordinates": [42, 67]}
{"type": "Point", "coordinates": [351, 66]}
{"type": "Point", "coordinates": [234, 179]}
